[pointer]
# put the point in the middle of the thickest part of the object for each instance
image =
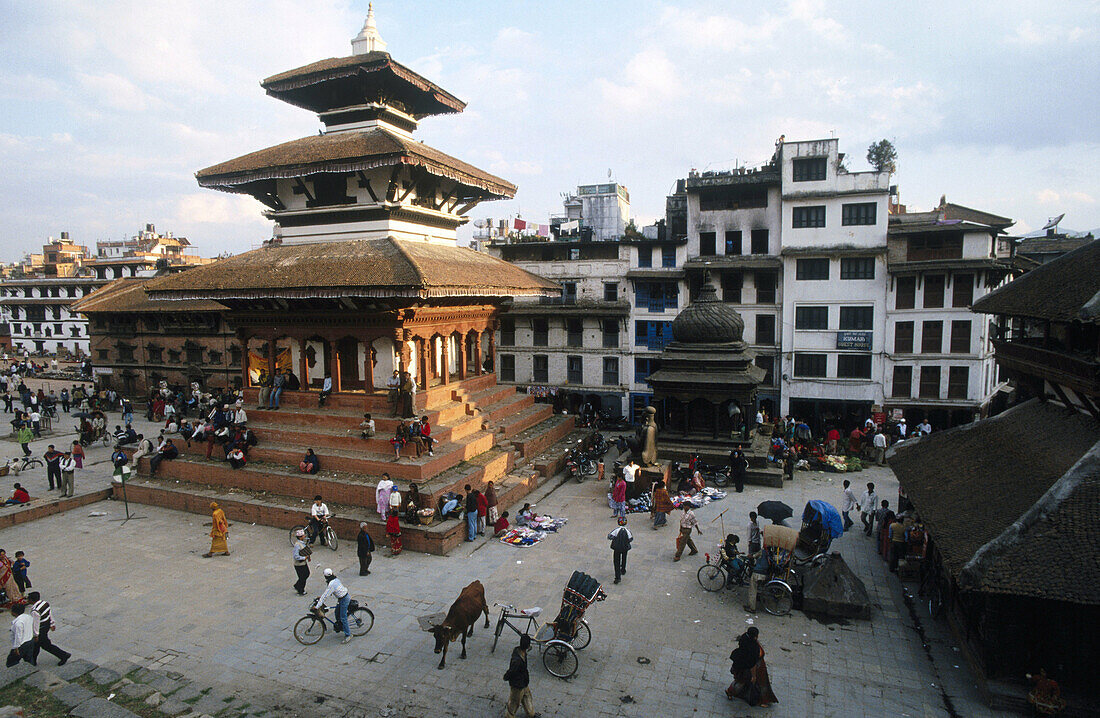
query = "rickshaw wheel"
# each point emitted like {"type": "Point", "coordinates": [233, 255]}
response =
{"type": "Point", "coordinates": [583, 636]}
{"type": "Point", "coordinates": [711, 578]}
{"type": "Point", "coordinates": [560, 659]}
{"type": "Point", "coordinates": [777, 598]}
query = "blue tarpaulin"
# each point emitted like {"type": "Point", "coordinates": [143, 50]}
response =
{"type": "Point", "coordinates": [830, 517]}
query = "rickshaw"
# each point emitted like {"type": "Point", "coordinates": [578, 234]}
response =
{"type": "Point", "coordinates": [786, 559]}
{"type": "Point", "coordinates": [560, 639]}
{"type": "Point", "coordinates": [821, 523]}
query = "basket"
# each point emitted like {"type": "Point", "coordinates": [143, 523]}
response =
{"type": "Point", "coordinates": [427, 516]}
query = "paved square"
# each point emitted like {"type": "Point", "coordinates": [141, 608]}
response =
{"type": "Point", "coordinates": [140, 591]}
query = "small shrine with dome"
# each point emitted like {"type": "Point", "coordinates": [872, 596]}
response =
{"type": "Point", "coordinates": [707, 381]}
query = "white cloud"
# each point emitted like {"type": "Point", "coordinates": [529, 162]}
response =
{"type": "Point", "coordinates": [1031, 34]}
{"type": "Point", "coordinates": [649, 78]}
{"type": "Point", "coordinates": [1082, 197]}
{"type": "Point", "coordinates": [1047, 196]}
{"type": "Point", "coordinates": [218, 208]}
{"type": "Point", "coordinates": [514, 40]}
{"type": "Point", "coordinates": [117, 92]}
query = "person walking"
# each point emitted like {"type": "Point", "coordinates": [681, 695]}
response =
{"type": "Point", "coordinates": [219, 532]}
{"type": "Point", "coordinates": [868, 504]}
{"type": "Point", "coordinates": [662, 504]}
{"type": "Point", "coordinates": [738, 469]}
{"type": "Point", "coordinates": [620, 538]}
{"type": "Point", "coordinates": [78, 454]}
{"type": "Point", "coordinates": [898, 542]}
{"type": "Point", "coordinates": [364, 547]}
{"type": "Point", "coordinates": [68, 470]}
{"type": "Point", "coordinates": [618, 498]}
{"type": "Point", "coordinates": [42, 620]}
{"type": "Point", "coordinates": [302, 555]}
{"type": "Point", "coordinates": [879, 442]}
{"type": "Point", "coordinates": [22, 636]}
{"type": "Point", "coordinates": [24, 436]}
{"type": "Point", "coordinates": [847, 504]}
{"type": "Point", "coordinates": [19, 571]}
{"type": "Point", "coordinates": [471, 513]}
{"type": "Point", "coordinates": [491, 502]}
{"type": "Point", "coordinates": [687, 523]}
{"type": "Point", "coordinates": [519, 681]}
{"type": "Point", "coordinates": [750, 674]}
{"type": "Point", "coordinates": [393, 530]}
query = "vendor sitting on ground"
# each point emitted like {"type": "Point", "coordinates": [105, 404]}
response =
{"type": "Point", "coordinates": [310, 463]}
{"type": "Point", "coordinates": [19, 496]}
{"type": "Point", "coordinates": [412, 504]}
{"type": "Point", "coordinates": [366, 427]}
{"type": "Point", "coordinates": [449, 507]}
{"type": "Point", "coordinates": [526, 515]}
{"type": "Point", "coordinates": [501, 526]}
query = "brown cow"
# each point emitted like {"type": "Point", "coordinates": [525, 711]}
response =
{"type": "Point", "coordinates": [460, 619]}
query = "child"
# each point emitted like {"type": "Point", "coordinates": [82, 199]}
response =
{"type": "Point", "coordinates": [501, 526]}
{"type": "Point", "coordinates": [393, 530]}
{"type": "Point", "coordinates": [19, 570]}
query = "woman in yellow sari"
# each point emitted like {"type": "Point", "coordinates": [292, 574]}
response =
{"type": "Point", "coordinates": [218, 533]}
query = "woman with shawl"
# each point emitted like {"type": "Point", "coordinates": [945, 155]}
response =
{"type": "Point", "coordinates": [662, 505]}
{"type": "Point", "coordinates": [219, 532]}
{"type": "Point", "coordinates": [12, 594]}
{"type": "Point", "coordinates": [382, 496]}
{"type": "Point", "coordinates": [491, 502]}
{"type": "Point", "coordinates": [750, 674]}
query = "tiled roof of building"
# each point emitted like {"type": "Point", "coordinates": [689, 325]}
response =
{"type": "Point", "coordinates": [376, 70]}
{"type": "Point", "coordinates": [957, 211]}
{"type": "Point", "coordinates": [1064, 289]}
{"type": "Point", "coordinates": [1044, 245]}
{"type": "Point", "coordinates": [355, 268]}
{"type": "Point", "coordinates": [128, 295]}
{"type": "Point", "coordinates": [1012, 502]}
{"type": "Point", "coordinates": [347, 152]}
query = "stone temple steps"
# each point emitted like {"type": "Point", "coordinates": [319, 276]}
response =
{"type": "Point", "coordinates": [483, 432]}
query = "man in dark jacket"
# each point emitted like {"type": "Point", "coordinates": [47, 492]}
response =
{"type": "Point", "coordinates": [365, 549]}
{"type": "Point", "coordinates": [738, 468]}
{"type": "Point", "coordinates": [519, 681]}
{"type": "Point", "coordinates": [621, 539]}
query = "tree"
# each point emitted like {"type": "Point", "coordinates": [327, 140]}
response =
{"type": "Point", "coordinates": [883, 156]}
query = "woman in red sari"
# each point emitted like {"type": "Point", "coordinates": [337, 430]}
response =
{"type": "Point", "coordinates": [7, 581]}
{"type": "Point", "coordinates": [750, 674]}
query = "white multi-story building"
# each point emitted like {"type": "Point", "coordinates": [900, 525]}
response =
{"type": "Point", "coordinates": [834, 285]}
{"type": "Point", "coordinates": [601, 211]}
{"type": "Point", "coordinates": [939, 356]}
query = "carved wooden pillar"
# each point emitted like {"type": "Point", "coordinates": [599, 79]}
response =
{"type": "Point", "coordinates": [303, 364]}
{"type": "Point", "coordinates": [460, 347]}
{"type": "Point", "coordinates": [403, 349]}
{"type": "Point", "coordinates": [333, 365]}
{"type": "Point", "coordinates": [368, 364]}
{"type": "Point", "coordinates": [424, 362]}
{"type": "Point", "coordinates": [271, 357]}
{"type": "Point", "coordinates": [478, 369]}
{"type": "Point", "coordinates": [444, 360]}
{"type": "Point", "coordinates": [244, 336]}
{"type": "Point", "coordinates": [493, 350]}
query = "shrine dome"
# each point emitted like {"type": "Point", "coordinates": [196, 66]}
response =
{"type": "Point", "coordinates": [707, 320]}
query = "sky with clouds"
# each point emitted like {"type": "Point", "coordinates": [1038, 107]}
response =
{"type": "Point", "coordinates": [110, 107]}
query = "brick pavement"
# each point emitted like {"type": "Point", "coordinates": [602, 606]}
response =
{"type": "Point", "coordinates": [140, 592]}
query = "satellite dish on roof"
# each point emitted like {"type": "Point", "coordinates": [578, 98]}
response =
{"type": "Point", "coordinates": [1052, 223]}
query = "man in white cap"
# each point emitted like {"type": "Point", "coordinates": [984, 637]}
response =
{"type": "Point", "coordinates": [343, 598]}
{"type": "Point", "coordinates": [301, 561]}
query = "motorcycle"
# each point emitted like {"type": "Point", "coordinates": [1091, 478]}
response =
{"type": "Point", "coordinates": [597, 444]}
{"type": "Point", "coordinates": [579, 464]}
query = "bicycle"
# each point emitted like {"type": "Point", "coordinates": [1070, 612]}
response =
{"type": "Point", "coordinates": [713, 575]}
{"type": "Point", "coordinates": [310, 628]}
{"type": "Point", "coordinates": [558, 655]}
{"type": "Point", "coordinates": [329, 534]}
{"type": "Point", "coordinates": [19, 464]}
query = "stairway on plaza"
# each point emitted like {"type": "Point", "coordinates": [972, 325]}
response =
{"type": "Point", "coordinates": [483, 432]}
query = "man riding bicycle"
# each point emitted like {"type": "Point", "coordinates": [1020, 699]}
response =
{"type": "Point", "coordinates": [318, 520]}
{"type": "Point", "coordinates": [343, 598]}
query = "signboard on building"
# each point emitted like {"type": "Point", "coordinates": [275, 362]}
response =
{"type": "Point", "coordinates": [102, 370]}
{"type": "Point", "coordinates": [853, 340]}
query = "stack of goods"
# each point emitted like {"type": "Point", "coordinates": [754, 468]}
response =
{"type": "Point", "coordinates": [700, 499]}
{"type": "Point", "coordinates": [640, 505]}
{"type": "Point", "coordinates": [546, 523]}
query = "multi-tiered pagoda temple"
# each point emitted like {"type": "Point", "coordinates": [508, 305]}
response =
{"type": "Point", "coordinates": [364, 274]}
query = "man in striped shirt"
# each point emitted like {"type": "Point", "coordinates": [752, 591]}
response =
{"type": "Point", "coordinates": [43, 624]}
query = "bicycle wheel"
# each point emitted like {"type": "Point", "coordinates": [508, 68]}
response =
{"type": "Point", "coordinates": [720, 479]}
{"type": "Point", "coordinates": [776, 598]}
{"type": "Point", "coordinates": [497, 632]}
{"type": "Point", "coordinates": [583, 636]}
{"type": "Point", "coordinates": [712, 578]}
{"type": "Point", "coordinates": [560, 659]}
{"type": "Point", "coordinates": [935, 602]}
{"type": "Point", "coordinates": [360, 621]}
{"type": "Point", "coordinates": [330, 537]}
{"type": "Point", "coordinates": [294, 531]}
{"type": "Point", "coordinates": [309, 629]}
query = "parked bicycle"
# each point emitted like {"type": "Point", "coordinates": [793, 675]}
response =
{"type": "Point", "coordinates": [19, 464]}
{"type": "Point", "coordinates": [715, 575]}
{"type": "Point", "coordinates": [311, 627]}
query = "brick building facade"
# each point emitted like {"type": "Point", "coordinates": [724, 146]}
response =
{"type": "Point", "coordinates": [136, 343]}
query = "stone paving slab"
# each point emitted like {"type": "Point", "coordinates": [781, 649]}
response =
{"type": "Point", "coordinates": [101, 708]}
{"type": "Point", "coordinates": [136, 690]}
{"type": "Point", "coordinates": [44, 681]}
{"type": "Point", "coordinates": [165, 685]}
{"type": "Point", "coordinates": [173, 708]}
{"type": "Point", "coordinates": [105, 676]}
{"type": "Point", "coordinates": [74, 669]}
{"type": "Point", "coordinates": [72, 694]}
{"type": "Point", "coordinates": [16, 673]}
{"type": "Point", "coordinates": [187, 693]}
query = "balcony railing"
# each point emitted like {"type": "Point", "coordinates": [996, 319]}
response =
{"type": "Point", "coordinates": [1075, 370]}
